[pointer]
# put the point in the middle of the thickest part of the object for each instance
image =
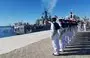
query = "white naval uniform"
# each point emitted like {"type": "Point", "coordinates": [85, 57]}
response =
{"type": "Point", "coordinates": [60, 37]}
{"type": "Point", "coordinates": [55, 39]}
{"type": "Point", "coordinates": [79, 27]}
{"type": "Point", "coordinates": [84, 26]}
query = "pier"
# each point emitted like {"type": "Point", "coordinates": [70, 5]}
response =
{"type": "Point", "coordinates": [38, 45]}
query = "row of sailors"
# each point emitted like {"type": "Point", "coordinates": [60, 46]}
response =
{"type": "Point", "coordinates": [66, 23]}
{"type": "Point", "coordinates": [56, 33]}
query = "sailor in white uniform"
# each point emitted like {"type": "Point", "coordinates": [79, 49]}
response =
{"type": "Point", "coordinates": [60, 36]}
{"type": "Point", "coordinates": [84, 26]}
{"type": "Point", "coordinates": [55, 38]}
{"type": "Point", "coordinates": [79, 26]}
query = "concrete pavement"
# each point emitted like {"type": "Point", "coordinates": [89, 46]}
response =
{"type": "Point", "coordinates": [79, 48]}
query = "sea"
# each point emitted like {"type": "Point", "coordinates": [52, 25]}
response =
{"type": "Point", "coordinates": [6, 31]}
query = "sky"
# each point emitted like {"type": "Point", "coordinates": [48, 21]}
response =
{"type": "Point", "coordinates": [12, 11]}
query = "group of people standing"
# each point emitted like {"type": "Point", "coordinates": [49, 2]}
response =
{"type": "Point", "coordinates": [82, 26]}
{"type": "Point", "coordinates": [56, 33]}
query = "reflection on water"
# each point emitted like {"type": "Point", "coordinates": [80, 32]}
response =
{"type": "Point", "coordinates": [6, 31]}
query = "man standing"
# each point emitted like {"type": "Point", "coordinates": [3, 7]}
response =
{"type": "Point", "coordinates": [55, 36]}
{"type": "Point", "coordinates": [60, 35]}
{"type": "Point", "coordinates": [84, 26]}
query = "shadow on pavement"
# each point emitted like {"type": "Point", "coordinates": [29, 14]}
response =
{"type": "Point", "coordinates": [80, 49]}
